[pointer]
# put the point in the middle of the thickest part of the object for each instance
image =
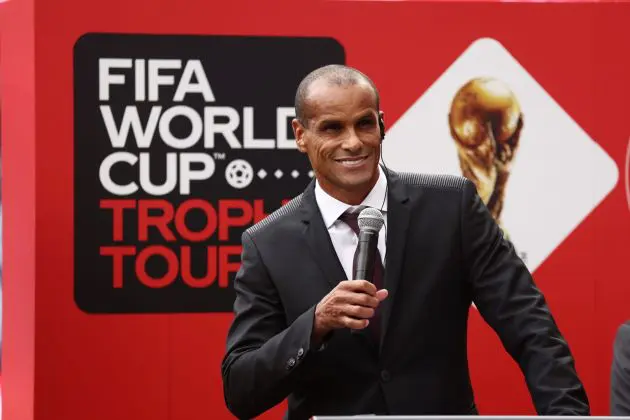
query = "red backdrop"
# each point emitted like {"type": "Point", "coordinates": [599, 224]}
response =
{"type": "Point", "coordinates": [61, 363]}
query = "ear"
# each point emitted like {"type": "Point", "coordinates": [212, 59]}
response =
{"type": "Point", "coordinates": [381, 124]}
{"type": "Point", "coordinates": [298, 131]}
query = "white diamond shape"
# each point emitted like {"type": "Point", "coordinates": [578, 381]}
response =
{"type": "Point", "coordinates": [556, 160]}
{"type": "Point", "coordinates": [295, 174]}
{"type": "Point", "coordinates": [262, 174]}
{"type": "Point", "coordinates": [310, 174]}
{"type": "Point", "coordinates": [278, 173]}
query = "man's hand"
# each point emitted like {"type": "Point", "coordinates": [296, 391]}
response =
{"type": "Point", "coordinates": [349, 305]}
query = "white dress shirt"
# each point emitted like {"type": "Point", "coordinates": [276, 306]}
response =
{"type": "Point", "coordinates": [342, 236]}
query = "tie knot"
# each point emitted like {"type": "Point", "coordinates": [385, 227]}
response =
{"type": "Point", "coordinates": [351, 219]}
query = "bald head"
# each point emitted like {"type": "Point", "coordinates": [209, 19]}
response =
{"type": "Point", "coordinates": [335, 75]}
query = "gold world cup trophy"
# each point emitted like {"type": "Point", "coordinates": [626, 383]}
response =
{"type": "Point", "coordinates": [486, 121]}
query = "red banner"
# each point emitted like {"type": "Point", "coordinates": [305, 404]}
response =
{"type": "Point", "coordinates": [94, 330]}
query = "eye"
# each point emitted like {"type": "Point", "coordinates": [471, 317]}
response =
{"type": "Point", "coordinates": [366, 122]}
{"type": "Point", "coordinates": [331, 127]}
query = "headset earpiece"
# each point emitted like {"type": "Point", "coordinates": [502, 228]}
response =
{"type": "Point", "coordinates": [381, 125]}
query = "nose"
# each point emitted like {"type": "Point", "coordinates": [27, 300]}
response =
{"type": "Point", "coordinates": [352, 141]}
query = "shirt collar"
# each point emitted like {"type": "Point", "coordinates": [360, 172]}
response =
{"type": "Point", "coordinates": [331, 208]}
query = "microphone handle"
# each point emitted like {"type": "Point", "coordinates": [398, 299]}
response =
{"type": "Point", "coordinates": [366, 255]}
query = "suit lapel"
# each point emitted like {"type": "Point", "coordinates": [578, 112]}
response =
{"type": "Point", "coordinates": [323, 252]}
{"type": "Point", "coordinates": [318, 239]}
{"type": "Point", "coordinates": [398, 213]}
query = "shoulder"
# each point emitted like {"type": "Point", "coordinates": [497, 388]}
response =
{"type": "Point", "coordinates": [278, 219]}
{"type": "Point", "coordinates": [449, 196]}
{"type": "Point", "coordinates": [442, 189]}
{"type": "Point", "coordinates": [438, 182]}
{"type": "Point", "coordinates": [622, 339]}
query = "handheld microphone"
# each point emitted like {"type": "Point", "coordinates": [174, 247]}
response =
{"type": "Point", "coordinates": [370, 223]}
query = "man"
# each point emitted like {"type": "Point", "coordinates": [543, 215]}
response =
{"type": "Point", "coordinates": [334, 345]}
{"type": "Point", "coordinates": [620, 375]}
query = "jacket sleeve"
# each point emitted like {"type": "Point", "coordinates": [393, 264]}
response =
{"type": "Point", "coordinates": [620, 373]}
{"type": "Point", "coordinates": [507, 298]}
{"type": "Point", "coordinates": [265, 356]}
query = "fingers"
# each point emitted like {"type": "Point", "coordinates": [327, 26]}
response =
{"type": "Point", "coordinates": [360, 299]}
{"type": "Point", "coordinates": [356, 311]}
{"type": "Point", "coordinates": [360, 292]}
{"type": "Point", "coordinates": [358, 286]}
{"type": "Point", "coordinates": [355, 324]}
{"type": "Point", "coordinates": [382, 294]}
{"type": "Point", "coordinates": [350, 305]}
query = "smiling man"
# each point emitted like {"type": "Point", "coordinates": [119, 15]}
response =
{"type": "Point", "coordinates": [305, 329]}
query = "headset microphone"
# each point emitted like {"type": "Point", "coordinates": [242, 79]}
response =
{"type": "Point", "coordinates": [381, 125]}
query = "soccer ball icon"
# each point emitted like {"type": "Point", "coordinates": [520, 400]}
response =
{"type": "Point", "coordinates": [239, 174]}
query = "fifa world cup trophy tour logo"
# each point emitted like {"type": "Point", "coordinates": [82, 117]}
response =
{"type": "Point", "coordinates": [485, 120]}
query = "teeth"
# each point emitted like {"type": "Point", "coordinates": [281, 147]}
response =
{"type": "Point", "coordinates": [355, 162]}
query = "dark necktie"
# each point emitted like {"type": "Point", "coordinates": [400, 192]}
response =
{"type": "Point", "coordinates": [351, 219]}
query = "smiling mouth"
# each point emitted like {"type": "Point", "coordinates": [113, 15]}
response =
{"type": "Point", "coordinates": [351, 161]}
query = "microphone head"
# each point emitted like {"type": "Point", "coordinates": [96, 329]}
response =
{"type": "Point", "coordinates": [371, 220]}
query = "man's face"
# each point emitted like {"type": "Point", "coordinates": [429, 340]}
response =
{"type": "Point", "coordinates": [341, 138]}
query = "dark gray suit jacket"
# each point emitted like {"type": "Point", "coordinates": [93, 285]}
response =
{"type": "Point", "coordinates": [620, 374]}
{"type": "Point", "coordinates": [444, 251]}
